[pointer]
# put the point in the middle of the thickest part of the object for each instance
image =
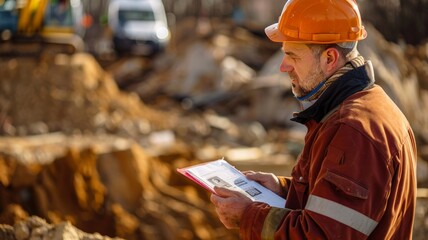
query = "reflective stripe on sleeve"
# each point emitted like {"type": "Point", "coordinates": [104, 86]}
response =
{"type": "Point", "coordinates": [272, 221]}
{"type": "Point", "coordinates": [342, 214]}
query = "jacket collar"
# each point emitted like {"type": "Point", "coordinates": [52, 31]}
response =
{"type": "Point", "coordinates": [351, 82]}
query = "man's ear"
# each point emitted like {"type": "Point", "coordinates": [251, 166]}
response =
{"type": "Point", "coordinates": [332, 60]}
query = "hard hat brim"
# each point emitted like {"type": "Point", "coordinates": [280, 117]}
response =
{"type": "Point", "coordinates": [273, 33]}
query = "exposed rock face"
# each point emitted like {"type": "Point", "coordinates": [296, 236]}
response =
{"type": "Point", "coordinates": [111, 187]}
{"type": "Point", "coordinates": [37, 228]}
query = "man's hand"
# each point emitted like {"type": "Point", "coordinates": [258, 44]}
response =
{"type": "Point", "coordinates": [269, 180]}
{"type": "Point", "coordinates": [230, 206]}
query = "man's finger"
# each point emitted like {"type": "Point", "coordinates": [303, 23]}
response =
{"type": "Point", "coordinates": [219, 201]}
{"type": "Point", "coordinates": [256, 176]}
{"type": "Point", "coordinates": [247, 172]}
{"type": "Point", "coordinates": [221, 195]}
{"type": "Point", "coordinates": [224, 192]}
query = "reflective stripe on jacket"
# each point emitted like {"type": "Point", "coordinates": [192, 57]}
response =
{"type": "Point", "coordinates": [355, 178]}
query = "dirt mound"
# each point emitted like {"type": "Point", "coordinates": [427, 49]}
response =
{"type": "Point", "coordinates": [80, 95]}
{"type": "Point", "coordinates": [105, 185]}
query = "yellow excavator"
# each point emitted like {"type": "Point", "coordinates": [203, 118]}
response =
{"type": "Point", "coordinates": [31, 26]}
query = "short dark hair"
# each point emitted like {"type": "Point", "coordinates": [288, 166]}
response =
{"type": "Point", "coordinates": [317, 49]}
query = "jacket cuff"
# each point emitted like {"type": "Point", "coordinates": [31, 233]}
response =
{"type": "Point", "coordinates": [252, 221]}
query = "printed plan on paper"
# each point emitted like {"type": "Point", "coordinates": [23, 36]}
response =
{"type": "Point", "coordinates": [220, 173]}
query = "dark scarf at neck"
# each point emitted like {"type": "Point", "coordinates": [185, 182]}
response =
{"type": "Point", "coordinates": [341, 87]}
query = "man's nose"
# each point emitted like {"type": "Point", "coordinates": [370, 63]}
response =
{"type": "Point", "coordinates": [285, 67]}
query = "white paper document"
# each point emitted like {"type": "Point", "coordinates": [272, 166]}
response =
{"type": "Point", "coordinates": [220, 173]}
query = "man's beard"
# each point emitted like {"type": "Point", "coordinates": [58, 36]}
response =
{"type": "Point", "coordinates": [315, 76]}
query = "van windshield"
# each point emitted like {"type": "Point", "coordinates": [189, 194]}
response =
{"type": "Point", "coordinates": [135, 15]}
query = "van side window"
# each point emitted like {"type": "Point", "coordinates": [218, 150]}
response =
{"type": "Point", "coordinates": [135, 15]}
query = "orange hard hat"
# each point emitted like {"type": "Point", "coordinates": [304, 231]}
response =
{"type": "Point", "coordinates": [318, 21]}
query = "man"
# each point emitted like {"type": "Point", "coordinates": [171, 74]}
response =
{"type": "Point", "coordinates": [355, 177]}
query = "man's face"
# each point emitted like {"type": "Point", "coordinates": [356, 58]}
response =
{"type": "Point", "coordinates": [303, 67]}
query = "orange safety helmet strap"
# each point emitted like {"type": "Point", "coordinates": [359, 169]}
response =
{"type": "Point", "coordinates": [318, 21]}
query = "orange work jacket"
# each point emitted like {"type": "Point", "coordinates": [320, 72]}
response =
{"type": "Point", "coordinates": [355, 177]}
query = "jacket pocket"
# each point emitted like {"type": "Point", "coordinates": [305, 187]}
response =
{"type": "Point", "coordinates": [300, 186]}
{"type": "Point", "coordinates": [346, 185]}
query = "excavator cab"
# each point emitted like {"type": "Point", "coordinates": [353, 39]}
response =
{"type": "Point", "coordinates": [64, 16]}
{"type": "Point", "coordinates": [41, 24]}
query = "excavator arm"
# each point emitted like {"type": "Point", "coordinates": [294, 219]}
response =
{"type": "Point", "coordinates": [31, 17]}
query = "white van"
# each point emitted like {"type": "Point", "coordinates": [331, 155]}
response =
{"type": "Point", "coordinates": [139, 26]}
